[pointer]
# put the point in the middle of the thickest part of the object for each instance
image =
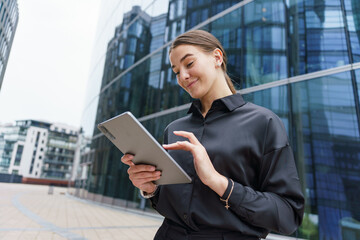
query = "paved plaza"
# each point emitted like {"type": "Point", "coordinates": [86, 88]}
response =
{"type": "Point", "coordinates": [29, 212]}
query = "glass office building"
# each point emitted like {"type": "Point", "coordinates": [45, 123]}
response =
{"type": "Point", "coordinates": [299, 58]}
{"type": "Point", "coordinates": [9, 15]}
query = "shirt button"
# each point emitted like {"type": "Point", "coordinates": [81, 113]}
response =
{"type": "Point", "coordinates": [185, 216]}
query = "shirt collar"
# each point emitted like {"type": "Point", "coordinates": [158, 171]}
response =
{"type": "Point", "coordinates": [230, 102]}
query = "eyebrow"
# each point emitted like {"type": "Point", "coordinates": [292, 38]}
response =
{"type": "Point", "coordinates": [183, 58]}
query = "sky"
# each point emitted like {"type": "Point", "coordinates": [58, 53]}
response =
{"type": "Point", "coordinates": [49, 62]}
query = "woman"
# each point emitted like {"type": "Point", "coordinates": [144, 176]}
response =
{"type": "Point", "coordinates": [244, 178]}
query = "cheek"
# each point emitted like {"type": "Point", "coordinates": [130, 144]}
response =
{"type": "Point", "coordinates": [183, 86]}
{"type": "Point", "coordinates": [179, 83]}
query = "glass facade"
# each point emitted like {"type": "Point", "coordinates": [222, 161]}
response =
{"type": "Point", "coordinates": [9, 15]}
{"type": "Point", "coordinates": [326, 136]}
{"type": "Point", "coordinates": [9, 136]}
{"type": "Point", "coordinates": [298, 58]}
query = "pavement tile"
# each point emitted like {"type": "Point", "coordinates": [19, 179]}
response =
{"type": "Point", "coordinates": [29, 212]}
{"type": "Point", "coordinates": [11, 235]}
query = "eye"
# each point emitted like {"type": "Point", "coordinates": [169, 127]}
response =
{"type": "Point", "coordinates": [189, 64]}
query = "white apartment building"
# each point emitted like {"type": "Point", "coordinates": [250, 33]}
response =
{"type": "Point", "coordinates": [37, 149]}
{"type": "Point", "coordinates": [27, 156]}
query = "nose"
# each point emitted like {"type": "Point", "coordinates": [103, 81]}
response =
{"type": "Point", "coordinates": [184, 75]}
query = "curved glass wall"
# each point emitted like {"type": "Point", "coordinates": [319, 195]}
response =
{"type": "Point", "coordinates": [111, 16]}
{"type": "Point", "coordinates": [298, 58]}
{"type": "Point", "coordinates": [326, 139]}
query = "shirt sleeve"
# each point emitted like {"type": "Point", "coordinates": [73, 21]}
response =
{"type": "Point", "coordinates": [278, 204]}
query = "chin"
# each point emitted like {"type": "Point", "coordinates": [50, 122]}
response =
{"type": "Point", "coordinates": [196, 96]}
{"type": "Point", "coordinates": [196, 93]}
{"type": "Point", "coordinates": [192, 94]}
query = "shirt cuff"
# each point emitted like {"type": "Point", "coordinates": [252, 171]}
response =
{"type": "Point", "coordinates": [147, 195]}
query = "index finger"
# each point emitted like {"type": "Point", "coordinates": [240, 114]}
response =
{"type": "Point", "coordinates": [188, 135]}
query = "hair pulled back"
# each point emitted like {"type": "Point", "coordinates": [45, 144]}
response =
{"type": "Point", "coordinates": [208, 43]}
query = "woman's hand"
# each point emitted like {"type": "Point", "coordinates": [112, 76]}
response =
{"type": "Point", "coordinates": [141, 176]}
{"type": "Point", "coordinates": [203, 166]}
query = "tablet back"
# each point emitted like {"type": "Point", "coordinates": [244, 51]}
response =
{"type": "Point", "coordinates": [129, 136]}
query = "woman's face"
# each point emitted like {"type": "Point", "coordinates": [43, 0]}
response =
{"type": "Point", "coordinates": [196, 71]}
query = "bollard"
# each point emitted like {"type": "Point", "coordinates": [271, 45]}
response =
{"type": "Point", "coordinates": [51, 189]}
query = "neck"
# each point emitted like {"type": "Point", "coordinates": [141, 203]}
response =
{"type": "Point", "coordinates": [219, 92]}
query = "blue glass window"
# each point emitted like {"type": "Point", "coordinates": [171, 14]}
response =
{"type": "Point", "coordinates": [128, 61]}
{"type": "Point", "coordinates": [326, 138]}
{"type": "Point", "coordinates": [132, 45]}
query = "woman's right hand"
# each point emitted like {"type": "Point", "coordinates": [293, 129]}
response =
{"type": "Point", "coordinates": [141, 176]}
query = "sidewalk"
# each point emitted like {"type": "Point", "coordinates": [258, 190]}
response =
{"type": "Point", "coordinates": [29, 212]}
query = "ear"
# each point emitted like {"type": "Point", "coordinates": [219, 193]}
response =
{"type": "Point", "coordinates": [218, 55]}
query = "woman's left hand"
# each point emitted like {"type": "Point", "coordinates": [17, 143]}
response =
{"type": "Point", "coordinates": [203, 166]}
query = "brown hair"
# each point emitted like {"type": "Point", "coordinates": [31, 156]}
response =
{"type": "Point", "coordinates": [208, 43]}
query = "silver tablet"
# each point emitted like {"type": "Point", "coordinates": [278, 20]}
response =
{"type": "Point", "coordinates": [129, 136]}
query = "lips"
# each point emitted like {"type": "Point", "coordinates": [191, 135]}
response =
{"type": "Point", "coordinates": [191, 83]}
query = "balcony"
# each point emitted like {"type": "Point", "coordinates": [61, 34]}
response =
{"type": "Point", "coordinates": [56, 154]}
{"type": "Point", "coordinates": [57, 162]}
{"type": "Point", "coordinates": [52, 169]}
{"type": "Point", "coordinates": [4, 164]}
{"type": "Point", "coordinates": [61, 145]}
{"type": "Point", "coordinates": [5, 156]}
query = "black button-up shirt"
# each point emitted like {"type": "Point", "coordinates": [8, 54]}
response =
{"type": "Point", "coordinates": [248, 144]}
